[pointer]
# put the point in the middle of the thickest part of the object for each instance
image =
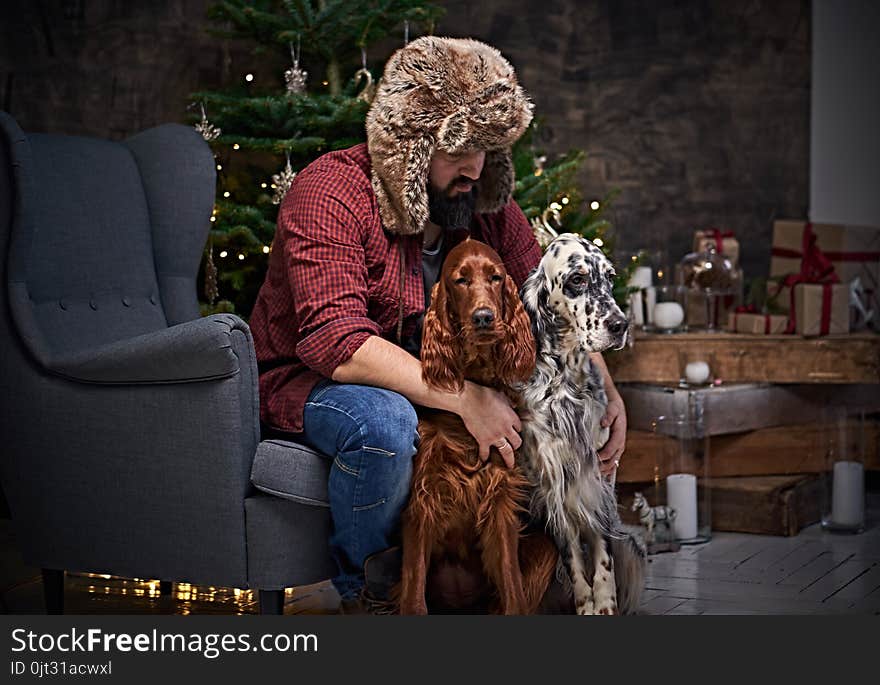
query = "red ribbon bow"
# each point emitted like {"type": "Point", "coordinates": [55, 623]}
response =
{"type": "Point", "coordinates": [718, 236]}
{"type": "Point", "coordinates": [816, 268]}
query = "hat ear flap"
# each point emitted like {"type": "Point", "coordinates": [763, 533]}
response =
{"type": "Point", "coordinates": [415, 193]}
{"type": "Point", "coordinates": [496, 181]}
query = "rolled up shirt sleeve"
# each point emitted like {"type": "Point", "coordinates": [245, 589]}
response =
{"type": "Point", "coordinates": [325, 222]}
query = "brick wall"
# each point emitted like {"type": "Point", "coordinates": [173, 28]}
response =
{"type": "Point", "coordinates": [697, 111]}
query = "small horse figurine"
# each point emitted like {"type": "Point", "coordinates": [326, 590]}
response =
{"type": "Point", "coordinates": [650, 516]}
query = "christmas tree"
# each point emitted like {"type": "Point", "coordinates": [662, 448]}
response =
{"type": "Point", "coordinates": [262, 134]}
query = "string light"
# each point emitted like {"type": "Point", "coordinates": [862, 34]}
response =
{"type": "Point", "coordinates": [213, 218]}
{"type": "Point", "coordinates": [226, 194]}
{"type": "Point", "coordinates": [265, 249]}
{"type": "Point", "coordinates": [223, 253]}
{"type": "Point", "coordinates": [598, 242]}
{"type": "Point", "coordinates": [219, 167]}
{"type": "Point", "coordinates": [594, 205]}
{"type": "Point", "coordinates": [249, 77]}
{"type": "Point", "coordinates": [262, 185]}
{"type": "Point", "coordinates": [240, 257]}
{"type": "Point", "coordinates": [556, 206]}
{"type": "Point", "coordinates": [235, 146]}
{"type": "Point", "coordinates": [325, 83]}
{"type": "Point", "coordinates": [565, 200]}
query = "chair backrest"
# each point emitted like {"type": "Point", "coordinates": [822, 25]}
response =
{"type": "Point", "coordinates": [105, 238]}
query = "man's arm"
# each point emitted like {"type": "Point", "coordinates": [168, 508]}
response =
{"type": "Point", "coordinates": [487, 414]}
{"type": "Point", "coordinates": [615, 418]}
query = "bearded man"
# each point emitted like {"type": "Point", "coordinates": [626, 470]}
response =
{"type": "Point", "coordinates": [360, 242]}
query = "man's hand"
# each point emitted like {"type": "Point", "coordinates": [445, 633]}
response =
{"type": "Point", "coordinates": [491, 420]}
{"type": "Point", "coordinates": [615, 418]}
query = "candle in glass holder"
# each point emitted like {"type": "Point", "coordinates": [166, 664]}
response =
{"type": "Point", "coordinates": [848, 494]}
{"type": "Point", "coordinates": [668, 315]}
{"type": "Point", "coordinates": [681, 495]}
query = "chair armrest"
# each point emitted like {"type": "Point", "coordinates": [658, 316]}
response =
{"type": "Point", "coordinates": [196, 350]}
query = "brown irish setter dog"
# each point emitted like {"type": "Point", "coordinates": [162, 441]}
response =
{"type": "Point", "coordinates": [462, 510]}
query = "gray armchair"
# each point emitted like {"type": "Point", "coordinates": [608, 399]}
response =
{"type": "Point", "coordinates": [130, 425]}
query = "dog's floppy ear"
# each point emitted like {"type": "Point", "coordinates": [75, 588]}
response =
{"type": "Point", "coordinates": [516, 354]}
{"type": "Point", "coordinates": [535, 299]}
{"type": "Point", "coordinates": [441, 352]}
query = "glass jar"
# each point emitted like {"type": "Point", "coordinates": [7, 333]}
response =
{"type": "Point", "coordinates": [681, 472]}
{"type": "Point", "coordinates": [669, 309]}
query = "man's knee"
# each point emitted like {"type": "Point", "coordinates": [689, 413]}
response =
{"type": "Point", "coordinates": [378, 420]}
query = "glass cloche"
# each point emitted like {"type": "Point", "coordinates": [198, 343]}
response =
{"type": "Point", "coordinates": [715, 287]}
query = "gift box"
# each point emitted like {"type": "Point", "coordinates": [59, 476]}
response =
{"type": "Point", "coordinates": [821, 308]}
{"type": "Point", "coordinates": [854, 252]}
{"type": "Point", "coordinates": [752, 322]}
{"type": "Point", "coordinates": [724, 242]}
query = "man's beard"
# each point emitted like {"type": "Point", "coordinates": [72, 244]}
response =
{"type": "Point", "coordinates": [455, 212]}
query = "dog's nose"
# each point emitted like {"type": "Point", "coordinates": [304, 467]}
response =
{"type": "Point", "coordinates": [483, 317]}
{"type": "Point", "coordinates": [617, 325]}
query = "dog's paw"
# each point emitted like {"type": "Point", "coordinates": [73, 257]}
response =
{"type": "Point", "coordinates": [414, 608]}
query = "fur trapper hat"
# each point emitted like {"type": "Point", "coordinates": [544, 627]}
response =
{"type": "Point", "coordinates": [448, 93]}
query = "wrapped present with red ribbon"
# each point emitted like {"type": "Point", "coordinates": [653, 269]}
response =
{"type": "Point", "coordinates": [853, 251]}
{"type": "Point", "coordinates": [820, 309]}
{"type": "Point", "coordinates": [818, 301]}
{"type": "Point", "coordinates": [747, 319]}
{"type": "Point", "coordinates": [724, 241]}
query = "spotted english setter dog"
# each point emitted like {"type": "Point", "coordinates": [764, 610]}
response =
{"type": "Point", "coordinates": [569, 300]}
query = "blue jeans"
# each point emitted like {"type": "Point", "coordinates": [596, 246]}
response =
{"type": "Point", "coordinates": [371, 434]}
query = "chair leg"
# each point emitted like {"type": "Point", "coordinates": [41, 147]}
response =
{"type": "Point", "coordinates": [272, 602]}
{"type": "Point", "coordinates": [165, 587]}
{"type": "Point", "coordinates": [53, 590]}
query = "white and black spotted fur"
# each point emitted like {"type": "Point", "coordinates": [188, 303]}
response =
{"type": "Point", "coordinates": [569, 299]}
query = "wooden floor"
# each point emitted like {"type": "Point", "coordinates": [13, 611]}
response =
{"type": "Point", "coordinates": [813, 573]}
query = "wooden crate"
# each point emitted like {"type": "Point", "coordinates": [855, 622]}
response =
{"type": "Point", "coordinates": [740, 407]}
{"type": "Point", "coordinates": [765, 505]}
{"type": "Point", "coordinates": [780, 450]}
{"type": "Point", "coordinates": [741, 358]}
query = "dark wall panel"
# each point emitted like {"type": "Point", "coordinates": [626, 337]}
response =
{"type": "Point", "coordinates": [697, 111]}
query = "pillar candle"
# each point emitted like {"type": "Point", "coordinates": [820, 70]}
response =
{"type": "Point", "coordinates": [635, 306]}
{"type": "Point", "coordinates": [650, 295]}
{"type": "Point", "coordinates": [641, 277]}
{"type": "Point", "coordinates": [681, 495]}
{"type": "Point", "coordinates": [848, 494]}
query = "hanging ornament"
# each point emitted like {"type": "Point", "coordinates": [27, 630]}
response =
{"type": "Point", "coordinates": [295, 77]}
{"type": "Point", "coordinates": [206, 128]}
{"type": "Point", "coordinates": [369, 89]}
{"type": "Point", "coordinates": [539, 163]}
{"type": "Point", "coordinates": [281, 182]}
{"type": "Point", "coordinates": [211, 290]}
{"type": "Point", "coordinates": [543, 230]}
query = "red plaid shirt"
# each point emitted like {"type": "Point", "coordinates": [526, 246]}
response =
{"type": "Point", "coordinates": [334, 279]}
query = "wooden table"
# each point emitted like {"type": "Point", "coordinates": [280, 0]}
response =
{"type": "Point", "coordinates": [741, 358]}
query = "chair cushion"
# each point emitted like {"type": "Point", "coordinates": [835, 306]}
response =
{"type": "Point", "coordinates": [293, 471]}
